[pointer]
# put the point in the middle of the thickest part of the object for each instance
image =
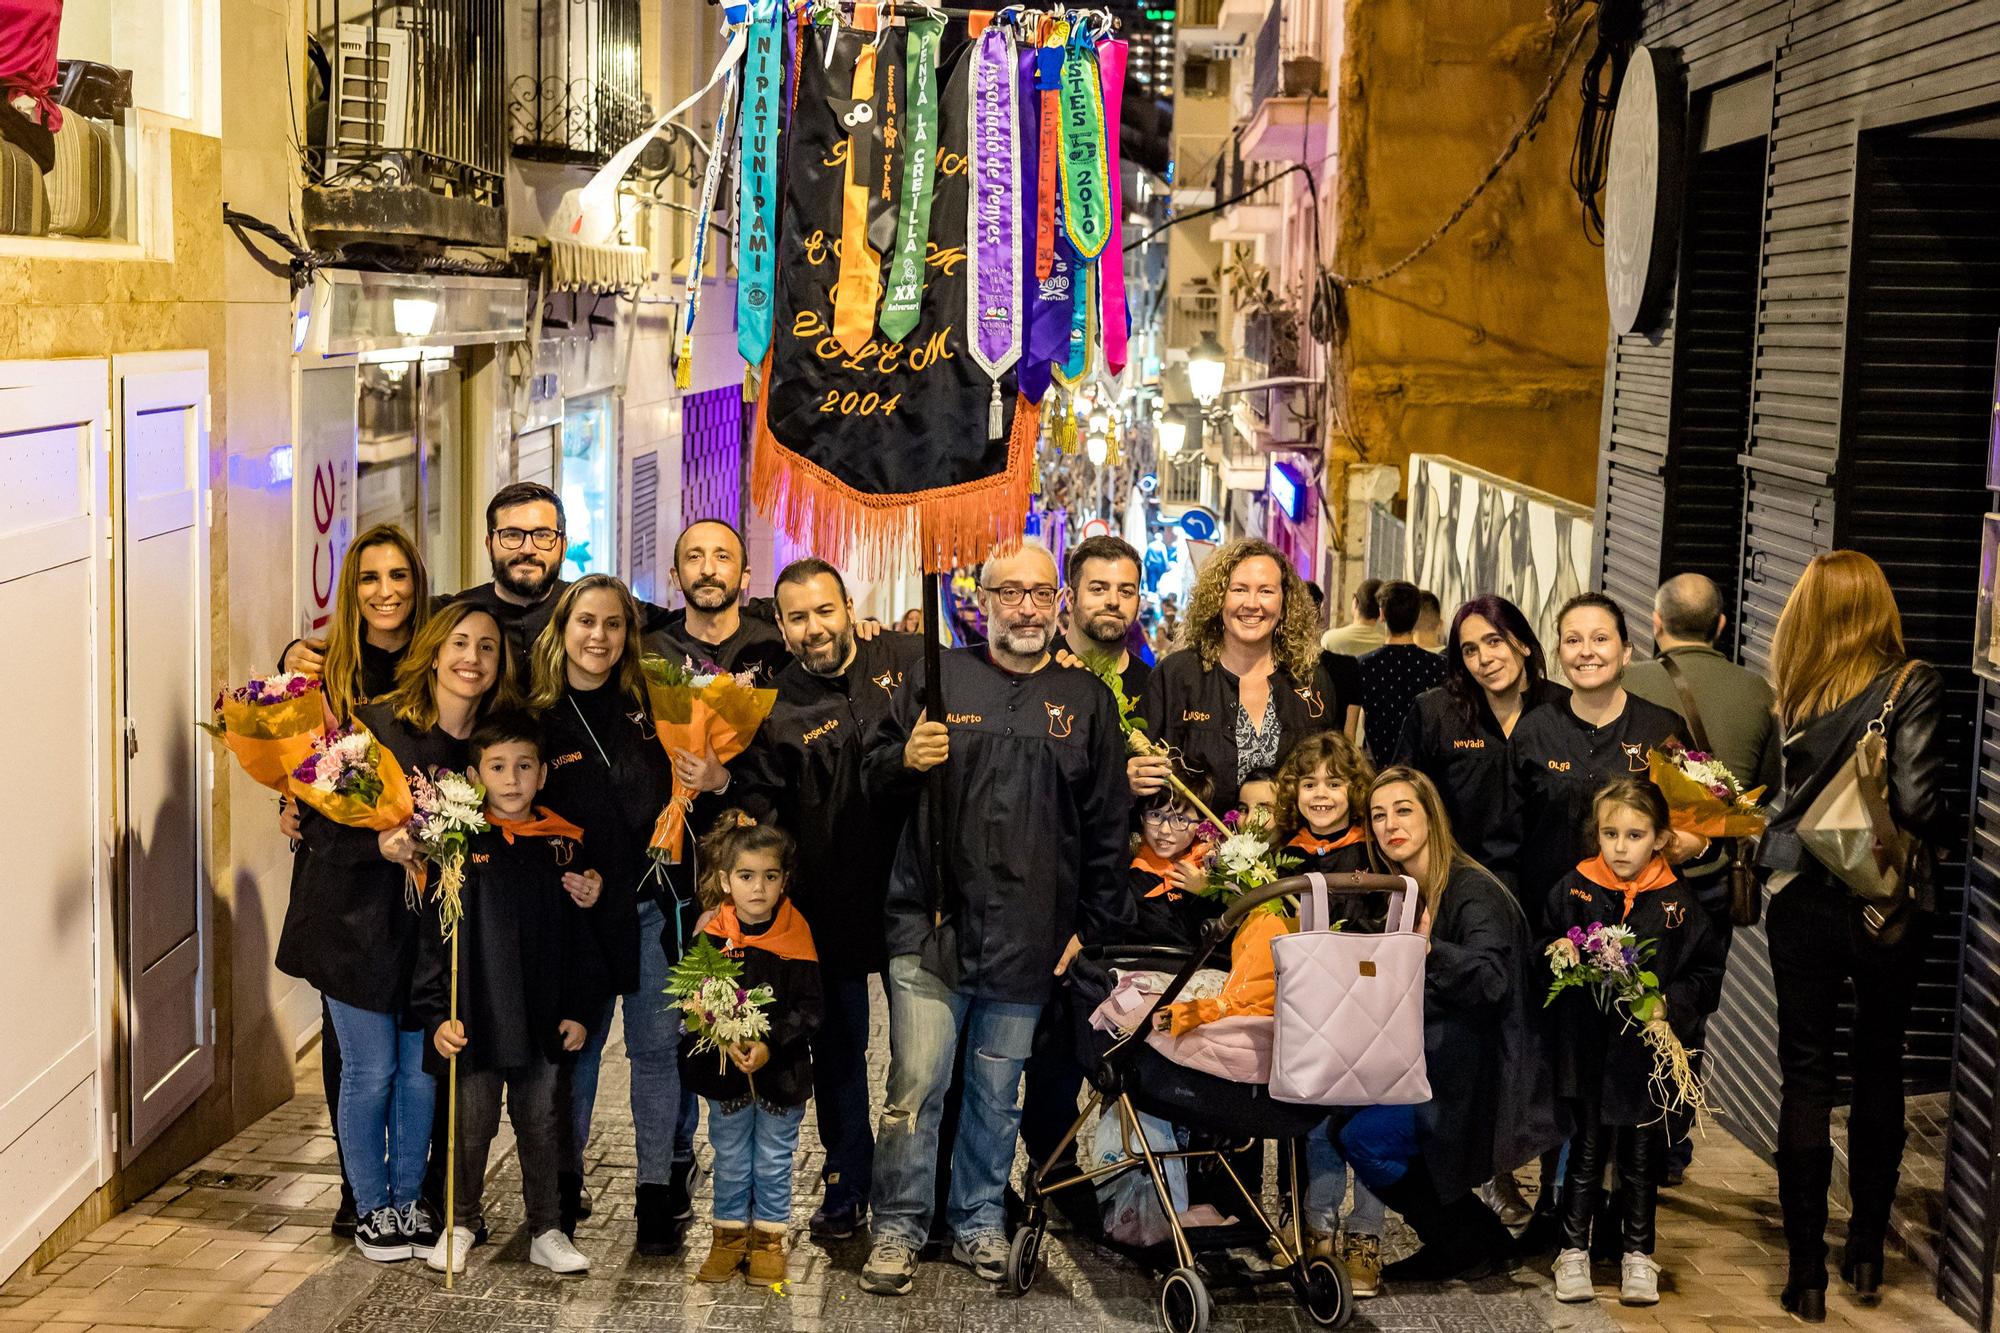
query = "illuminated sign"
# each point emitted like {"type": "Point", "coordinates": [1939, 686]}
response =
{"type": "Point", "coordinates": [1288, 488]}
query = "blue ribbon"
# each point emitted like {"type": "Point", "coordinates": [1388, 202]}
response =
{"type": "Point", "coordinates": [757, 184]}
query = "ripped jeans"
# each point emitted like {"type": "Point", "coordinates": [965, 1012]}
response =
{"type": "Point", "coordinates": [925, 1016]}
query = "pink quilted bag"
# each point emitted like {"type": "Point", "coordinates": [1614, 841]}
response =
{"type": "Point", "coordinates": [1349, 1026]}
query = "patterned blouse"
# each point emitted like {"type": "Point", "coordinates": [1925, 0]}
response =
{"type": "Point", "coordinates": [1257, 746]}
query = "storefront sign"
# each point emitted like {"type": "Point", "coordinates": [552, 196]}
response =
{"type": "Point", "coordinates": [322, 491]}
{"type": "Point", "coordinates": [1288, 489]}
{"type": "Point", "coordinates": [1643, 191]}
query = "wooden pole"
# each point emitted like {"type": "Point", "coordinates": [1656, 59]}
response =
{"type": "Point", "coordinates": [451, 1130]}
{"type": "Point", "coordinates": [934, 708]}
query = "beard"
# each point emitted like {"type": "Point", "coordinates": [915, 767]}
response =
{"type": "Point", "coordinates": [711, 595]}
{"type": "Point", "coordinates": [827, 658]}
{"type": "Point", "coordinates": [524, 576]}
{"type": "Point", "coordinates": [1022, 640]}
{"type": "Point", "coordinates": [1107, 629]}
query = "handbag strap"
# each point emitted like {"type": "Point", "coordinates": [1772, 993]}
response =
{"type": "Point", "coordinates": [1874, 797]}
{"type": "Point", "coordinates": [1689, 710]}
{"type": "Point", "coordinates": [1316, 914]}
{"type": "Point", "coordinates": [1881, 722]}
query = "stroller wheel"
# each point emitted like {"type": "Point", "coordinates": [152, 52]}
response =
{"type": "Point", "coordinates": [1024, 1254]}
{"type": "Point", "coordinates": [1327, 1292]}
{"type": "Point", "coordinates": [1183, 1302]}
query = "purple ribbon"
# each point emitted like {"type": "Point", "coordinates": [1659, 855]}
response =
{"type": "Point", "coordinates": [994, 181]}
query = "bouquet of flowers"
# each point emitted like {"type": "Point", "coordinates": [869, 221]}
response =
{"type": "Point", "coordinates": [352, 780]}
{"type": "Point", "coordinates": [449, 808]}
{"type": "Point", "coordinates": [698, 710]}
{"type": "Point", "coordinates": [1244, 854]}
{"type": "Point", "coordinates": [1138, 742]}
{"type": "Point", "coordinates": [270, 723]}
{"type": "Point", "coordinates": [719, 1010]}
{"type": "Point", "coordinates": [1610, 963]}
{"type": "Point", "coordinates": [1703, 796]}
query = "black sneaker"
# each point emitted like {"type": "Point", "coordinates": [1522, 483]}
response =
{"type": "Point", "coordinates": [837, 1218]}
{"type": "Point", "coordinates": [420, 1228]}
{"type": "Point", "coordinates": [682, 1182]}
{"type": "Point", "coordinates": [344, 1219]}
{"type": "Point", "coordinates": [379, 1236]}
{"type": "Point", "coordinates": [660, 1233]}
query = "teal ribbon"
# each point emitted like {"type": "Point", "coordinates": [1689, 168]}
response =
{"type": "Point", "coordinates": [757, 184]}
{"type": "Point", "coordinates": [1086, 175]}
{"type": "Point", "coordinates": [920, 140]}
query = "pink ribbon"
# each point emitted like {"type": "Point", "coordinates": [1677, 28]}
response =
{"type": "Point", "coordinates": [1113, 318]}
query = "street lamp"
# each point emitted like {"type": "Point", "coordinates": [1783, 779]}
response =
{"type": "Point", "coordinates": [1206, 365]}
{"type": "Point", "coordinates": [1173, 434]}
{"type": "Point", "coordinates": [1095, 448]}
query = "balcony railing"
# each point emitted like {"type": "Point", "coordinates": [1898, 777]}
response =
{"type": "Point", "coordinates": [410, 138]}
{"type": "Point", "coordinates": [1191, 314]}
{"type": "Point", "coordinates": [576, 94]}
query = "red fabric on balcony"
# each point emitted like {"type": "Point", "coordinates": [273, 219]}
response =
{"type": "Point", "coordinates": [28, 31]}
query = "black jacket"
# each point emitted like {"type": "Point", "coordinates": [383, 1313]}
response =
{"type": "Point", "coordinates": [756, 646]}
{"type": "Point", "coordinates": [1917, 779]}
{"type": "Point", "coordinates": [524, 624]}
{"type": "Point", "coordinates": [1193, 709]}
{"type": "Point", "coordinates": [1368, 911]}
{"type": "Point", "coordinates": [1560, 764]}
{"type": "Point", "coordinates": [609, 774]}
{"type": "Point", "coordinates": [350, 933]}
{"type": "Point", "coordinates": [527, 960]}
{"type": "Point", "coordinates": [1490, 1109]}
{"type": "Point", "coordinates": [805, 770]}
{"type": "Point", "coordinates": [1038, 811]}
{"type": "Point", "coordinates": [1172, 919]}
{"type": "Point", "coordinates": [1598, 1060]}
{"type": "Point", "coordinates": [794, 1011]}
{"type": "Point", "coordinates": [1468, 757]}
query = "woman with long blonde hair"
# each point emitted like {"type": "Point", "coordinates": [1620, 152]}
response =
{"type": "Point", "coordinates": [1490, 1109]}
{"type": "Point", "coordinates": [1840, 670]}
{"type": "Point", "coordinates": [1249, 679]}
{"type": "Point", "coordinates": [608, 774]}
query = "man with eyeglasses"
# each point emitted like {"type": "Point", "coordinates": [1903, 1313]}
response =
{"type": "Point", "coordinates": [1037, 813]}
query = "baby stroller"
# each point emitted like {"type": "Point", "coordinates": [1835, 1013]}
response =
{"type": "Point", "coordinates": [1129, 1077]}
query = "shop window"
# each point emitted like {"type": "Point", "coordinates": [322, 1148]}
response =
{"type": "Point", "coordinates": [589, 457]}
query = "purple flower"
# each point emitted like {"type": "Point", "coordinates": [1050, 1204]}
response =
{"type": "Point", "coordinates": [1233, 818]}
{"type": "Point", "coordinates": [1630, 954]}
{"type": "Point", "coordinates": [1207, 832]}
{"type": "Point", "coordinates": [1576, 936]}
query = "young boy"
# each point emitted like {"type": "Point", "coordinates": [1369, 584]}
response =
{"type": "Point", "coordinates": [1167, 872]}
{"type": "Point", "coordinates": [529, 970]}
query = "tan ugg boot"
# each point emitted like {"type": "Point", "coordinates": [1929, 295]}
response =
{"type": "Point", "coordinates": [725, 1252]}
{"type": "Point", "coordinates": [767, 1256]}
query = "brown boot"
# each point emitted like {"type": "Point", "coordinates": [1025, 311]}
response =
{"type": "Point", "coordinates": [767, 1257]}
{"type": "Point", "coordinates": [725, 1252]}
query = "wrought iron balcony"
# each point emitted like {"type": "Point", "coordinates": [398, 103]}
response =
{"type": "Point", "coordinates": [407, 136]}
{"type": "Point", "coordinates": [576, 95]}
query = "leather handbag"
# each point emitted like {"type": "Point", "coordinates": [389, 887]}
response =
{"type": "Point", "coordinates": [1348, 1025]}
{"type": "Point", "coordinates": [1848, 828]}
{"type": "Point", "coordinates": [1746, 891]}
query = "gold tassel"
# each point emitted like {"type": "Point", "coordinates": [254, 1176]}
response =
{"type": "Point", "coordinates": [749, 383]}
{"type": "Point", "coordinates": [684, 363]}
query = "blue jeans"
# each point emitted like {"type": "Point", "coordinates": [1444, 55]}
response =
{"type": "Point", "coordinates": [652, 1045]}
{"type": "Point", "coordinates": [840, 1087]}
{"type": "Point", "coordinates": [386, 1101]}
{"type": "Point", "coordinates": [1379, 1143]}
{"type": "Point", "coordinates": [925, 1016]}
{"type": "Point", "coordinates": [1326, 1189]}
{"type": "Point", "coordinates": [753, 1150]}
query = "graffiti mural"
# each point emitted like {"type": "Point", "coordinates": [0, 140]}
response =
{"type": "Point", "coordinates": [1469, 532]}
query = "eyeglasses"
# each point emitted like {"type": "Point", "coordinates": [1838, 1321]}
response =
{"type": "Point", "coordinates": [512, 538]}
{"type": "Point", "coordinates": [1172, 820]}
{"type": "Point", "coordinates": [1010, 596]}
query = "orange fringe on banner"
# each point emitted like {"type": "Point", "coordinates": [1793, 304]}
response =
{"type": "Point", "coordinates": [953, 526]}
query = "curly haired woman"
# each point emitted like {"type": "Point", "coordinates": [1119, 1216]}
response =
{"type": "Point", "coordinates": [1249, 679]}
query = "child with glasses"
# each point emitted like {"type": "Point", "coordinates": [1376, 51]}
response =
{"type": "Point", "coordinates": [1167, 869]}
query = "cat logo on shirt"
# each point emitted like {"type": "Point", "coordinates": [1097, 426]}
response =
{"type": "Point", "coordinates": [1635, 757]}
{"type": "Point", "coordinates": [889, 680]}
{"type": "Point", "coordinates": [564, 849]}
{"type": "Point", "coordinates": [1060, 721]}
{"type": "Point", "coordinates": [1315, 706]}
{"type": "Point", "coordinates": [1675, 915]}
{"type": "Point", "coordinates": [644, 721]}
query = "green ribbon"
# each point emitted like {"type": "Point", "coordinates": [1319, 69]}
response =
{"type": "Point", "coordinates": [920, 140]}
{"type": "Point", "coordinates": [1086, 176]}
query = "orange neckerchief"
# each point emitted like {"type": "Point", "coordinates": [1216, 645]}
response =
{"type": "Point", "coordinates": [788, 937]}
{"type": "Point", "coordinates": [540, 824]}
{"type": "Point", "coordinates": [1657, 875]}
{"type": "Point", "coordinates": [1314, 845]}
{"type": "Point", "coordinates": [1153, 863]}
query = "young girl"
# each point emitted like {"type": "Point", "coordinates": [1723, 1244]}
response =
{"type": "Point", "coordinates": [1602, 1065]}
{"type": "Point", "coordinates": [757, 1095]}
{"type": "Point", "coordinates": [1167, 873]}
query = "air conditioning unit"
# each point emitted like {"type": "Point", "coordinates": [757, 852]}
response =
{"type": "Point", "coordinates": [368, 100]}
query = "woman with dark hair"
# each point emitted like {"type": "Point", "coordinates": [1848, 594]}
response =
{"type": "Point", "coordinates": [381, 600]}
{"type": "Point", "coordinates": [1456, 735]}
{"type": "Point", "coordinates": [1840, 670]}
{"type": "Point", "coordinates": [362, 948]}
{"type": "Point", "coordinates": [1250, 679]}
{"type": "Point", "coordinates": [608, 773]}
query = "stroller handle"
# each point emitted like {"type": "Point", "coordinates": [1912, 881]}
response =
{"type": "Point", "coordinates": [1353, 882]}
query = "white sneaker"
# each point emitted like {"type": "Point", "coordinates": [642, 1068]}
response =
{"type": "Point", "coordinates": [462, 1241]}
{"type": "Point", "coordinates": [1573, 1277]}
{"type": "Point", "coordinates": [1640, 1281]}
{"type": "Point", "coordinates": [555, 1252]}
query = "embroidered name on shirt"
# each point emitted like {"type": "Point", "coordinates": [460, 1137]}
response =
{"type": "Point", "coordinates": [1192, 716]}
{"type": "Point", "coordinates": [831, 724]}
{"type": "Point", "coordinates": [481, 858]}
{"type": "Point", "coordinates": [1584, 894]}
{"type": "Point", "coordinates": [1558, 765]}
{"type": "Point", "coordinates": [964, 719]}
{"type": "Point", "coordinates": [562, 759]}
{"type": "Point", "coordinates": [1468, 745]}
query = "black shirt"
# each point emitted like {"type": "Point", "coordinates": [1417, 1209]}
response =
{"type": "Point", "coordinates": [524, 624]}
{"type": "Point", "coordinates": [1038, 810]}
{"type": "Point", "coordinates": [1465, 753]}
{"type": "Point", "coordinates": [756, 646]}
{"type": "Point", "coordinates": [1193, 709]}
{"type": "Point", "coordinates": [1392, 677]}
{"type": "Point", "coordinates": [1560, 763]}
{"type": "Point", "coordinates": [805, 769]}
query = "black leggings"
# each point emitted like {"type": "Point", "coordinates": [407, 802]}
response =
{"type": "Point", "coordinates": [1641, 1154]}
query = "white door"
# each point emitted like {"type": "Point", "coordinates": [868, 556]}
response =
{"type": "Point", "coordinates": [161, 576]}
{"type": "Point", "coordinates": [54, 946]}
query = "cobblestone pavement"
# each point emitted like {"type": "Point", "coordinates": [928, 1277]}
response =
{"type": "Point", "coordinates": [239, 1240]}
